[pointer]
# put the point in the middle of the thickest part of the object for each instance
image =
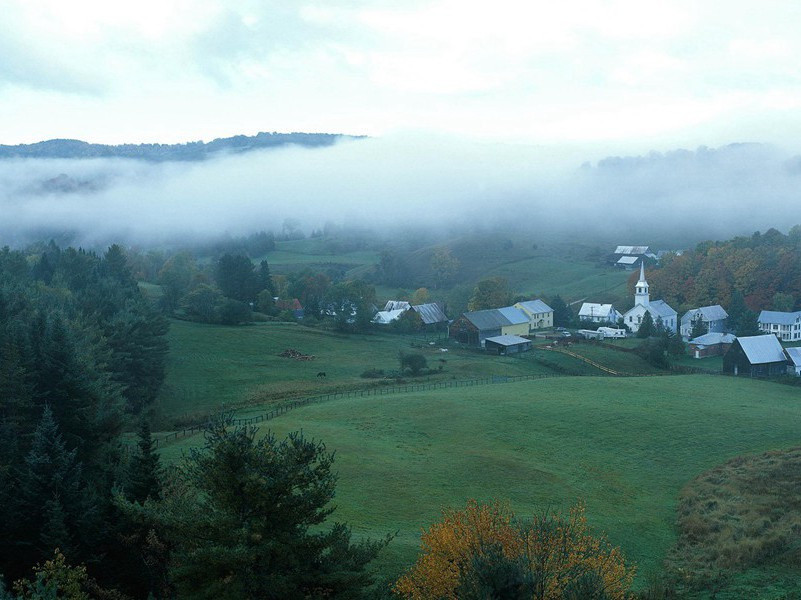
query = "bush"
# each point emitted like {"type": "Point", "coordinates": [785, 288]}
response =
{"type": "Point", "coordinates": [234, 312]}
{"type": "Point", "coordinates": [413, 362]}
{"type": "Point", "coordinates": [373, 373]}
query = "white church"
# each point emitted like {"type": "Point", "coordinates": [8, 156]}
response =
{"type": "Point", "coordinates": [659, 309]}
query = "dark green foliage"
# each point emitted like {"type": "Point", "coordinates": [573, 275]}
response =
{"type": "Point", "coordinates": [144, 470]}
{"type": "Point", "coordinates": [699, 327]}
{"type": "Point", "coordinates": [233, 312]}
{"type": "Point", "coordinates": [52, 507]}
{"type": "Point", "coordinates": [238, 279]}
{"type": "Point", "coordinates": [493, 575]}
{"type": "Point", "coordinates": [203, 303]}
{"type": "Point", "coordinates": [412, 361]}
{"type": "Point", "coordinates": [246, 520]}
{"type": "Point", "coordinates": [741, 319]}
{"type": "Point", "coordinates": [562, 317]}
{"type": "Point", "coordinates": [647, 327]}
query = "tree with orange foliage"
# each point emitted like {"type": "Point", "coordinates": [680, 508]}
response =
{"type": "Point", "coordinates": [483, 551]}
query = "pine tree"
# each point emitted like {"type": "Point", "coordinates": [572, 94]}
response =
{"type": "Point", "coordinates": [246, 521]}
{"type": "Point", "coordinates": [144, 470]}
{"type": "Point", "coordinates": [52, 503]}
{"type": "Point", "coordinates": [646, 327]}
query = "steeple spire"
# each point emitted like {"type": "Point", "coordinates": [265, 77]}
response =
{"type": "Point", "coordinates": [641, 295]}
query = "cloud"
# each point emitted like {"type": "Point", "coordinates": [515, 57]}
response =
{"type": "Point", "coordinates": [410, 181]}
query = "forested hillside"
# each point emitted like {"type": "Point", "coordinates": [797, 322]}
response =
{"type": "Point", "coordinates": [760, 270]}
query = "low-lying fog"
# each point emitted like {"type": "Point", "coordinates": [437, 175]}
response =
{"type": "Point", "coordinates": [405, 181]}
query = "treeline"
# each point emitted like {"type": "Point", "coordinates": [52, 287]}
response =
{"type": "Point", "coordinates": [754, 273]}
{"type": "Point", "coordinates": [82, 353]}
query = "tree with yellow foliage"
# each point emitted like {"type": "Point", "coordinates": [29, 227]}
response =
{"type": "Point", "coordinates": [483, 551]}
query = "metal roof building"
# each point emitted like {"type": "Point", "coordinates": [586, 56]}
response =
{"type": "Point", "coordinates": [431, 313]}
{"type": "Point", "coordinates": [756, 356]}
{"type": "Point", "coordinates": [631, 250]}
{"type": "Point", "coordinates": [535, 306]}
{"type": "Point", "coordinates": [507, 344]}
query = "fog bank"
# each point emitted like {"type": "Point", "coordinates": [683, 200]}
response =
{"type": "Point", "coordinates": [405, 181]}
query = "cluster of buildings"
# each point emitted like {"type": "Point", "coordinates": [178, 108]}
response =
{"type": "Point", "coordinates": [502, 329]}
{"type": "Point", "coordinates": [420, 316]}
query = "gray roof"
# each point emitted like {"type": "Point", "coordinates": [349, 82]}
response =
{"type": "Point", "coordinates": [430, 313]}
{"type": "Point", "coordinates": [397, 305]}
{"type": "Point", "coordinates": [536, 306]}
{"type": "Point", "coordinates": [662, 309]}
{"type": "Point", "coordinates": [508, 340]}
{"type": "Point", "coordinates": [761, 349]}
{"type": "Point", "coordinates": [708, 313]}
{"type": "Point", "coordinates": [628, 260]}
{"type": "Point", "coordinates": [631, 250]}
{"type": "Point", "coordinates": [710, 339]}
{"type": "Point", "coordinates": [795, 355]}
{"type": "Point", "coordinates": [514, 315]}
{"type": "Point", "coordinates": [487, 319]}
{"type": "Point", "coordinates": [780, 318]}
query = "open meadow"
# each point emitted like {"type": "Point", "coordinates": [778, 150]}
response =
{"type": "Point", "coordinates": [624, 446]}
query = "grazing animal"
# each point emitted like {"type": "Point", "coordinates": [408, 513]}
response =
{"type": "Point", "coordinates": [321, 374]}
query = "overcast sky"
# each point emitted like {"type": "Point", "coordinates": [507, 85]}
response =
{"type": "Point", "coordinates": [619, 74]}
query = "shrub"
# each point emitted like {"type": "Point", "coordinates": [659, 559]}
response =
{"type": "Point", "coordinates": [373, 373]}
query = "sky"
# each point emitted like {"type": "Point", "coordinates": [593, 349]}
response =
{"type": "Point", "coordinates": [620, 75]}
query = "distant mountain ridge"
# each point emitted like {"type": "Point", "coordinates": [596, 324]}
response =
{"type": "Point", "coordinates": [190, 151]}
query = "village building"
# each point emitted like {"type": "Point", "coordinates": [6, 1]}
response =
{"type": "Point", "coordinates": [710, 344]}
{"type": "Point", "coordinates": [755, 356]}
{"type": "Point", "coordinates": [633, 256]}
{"type": "Point", "coordinates": [431, 314]}
{"type": "Point", "coordinates": [540, 315]}
{"type": "Point", "coordinates": [713, 318]}
{"type": "Point", "coordinates": [507, 344]}
{"type": "Point", "coordinates": [598, 313]}
{"type": "Point", "coordinates": [474, 327]}
{"type": "Point", "coordinates": [659, 310]}
{"type": "Point", "coordinates": [397, 305]}
{"type": "Point", "coordinates": [385, 317]}
{"type": "Point", "coordinates": [784, 325]}
{"type": "Point", "coordinates": [793, 361]}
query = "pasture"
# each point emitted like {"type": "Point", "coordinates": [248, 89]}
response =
{"type": "Point", "coordinates": [211, 367]}
{"type": "Point", "coordinates": [625, 446]}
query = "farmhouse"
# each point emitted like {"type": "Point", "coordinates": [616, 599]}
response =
{"type": "Point", "coordinates": [784, 325]}
{"type": "Point", "coordinates": [710, 344]}
{"type": "Point", "coordinates": [385, 317]}
{"type": "Point", "coordinates": [658, 309]}
{"type": "Point", "coordinates": [598, 313]}
{"type": "Point", "coordinates": [475, 327]}
{"type": "Point", "coordinates": [540, 315]}
{"type": "Point", "coordinates": [507, 344]}
{"type": "Point", "coordinates": [794, 361]}
{"type": "Point", "coordinates": [633, 255]}
{"type": "Point", "coordinates": [755, 356]}
{"type": "Point", "coordinates": [713, 318]}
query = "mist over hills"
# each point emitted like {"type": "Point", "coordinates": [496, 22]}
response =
{"type": "Point", "coordinates": [189, 151]}
{"type": "Point", "coordinates": [396, 182]}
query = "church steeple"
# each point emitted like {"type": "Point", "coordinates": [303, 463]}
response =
{"type": "Point", "coordinates": [641, 295]}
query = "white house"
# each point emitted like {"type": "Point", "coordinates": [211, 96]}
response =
{"type": "Point", "coordinates": [598, 313]}
{"type": "Point", "coordinates": [784, 325]}
{"type": "Point", "coordinates": [713, 317]}
{"type": "Point", "coordinates": [658, 309]}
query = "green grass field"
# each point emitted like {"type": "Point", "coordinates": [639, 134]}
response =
{"type": "Point", "coordinates": [625, 446]}
{"type": "Point", "coordinates": [212, 366]}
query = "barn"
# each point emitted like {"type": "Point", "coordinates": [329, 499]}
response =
{"type": "Point", "coordinates": [710, 344]}
{"type": "Point", "coordinates": [474, 327]}
{"type": "Point", "coordinates": [755, 356]}
{"type": "Point", "coordinates": [794, 363]}
{"type": "Point", "coordinates": [507, 344]}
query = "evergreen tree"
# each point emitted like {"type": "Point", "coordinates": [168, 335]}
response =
{"type": "Point", "coordinates": [53, 506]}
{"type": "Point", "coordinates": [144, 469]}
{"type": "Point", "coordinates": [562, 317]}
{"type": "Point", "coordinates": [246, 521]}
{"type": "Point", "coordinates": [699, 327]}
{"type": "Point", "coordinates": [646, 327]}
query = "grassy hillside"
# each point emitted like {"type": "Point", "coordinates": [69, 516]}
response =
{"type": "Point", "coordinates": [211, 366]}
{"type": "Point", "coordinates": [626, 446]}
